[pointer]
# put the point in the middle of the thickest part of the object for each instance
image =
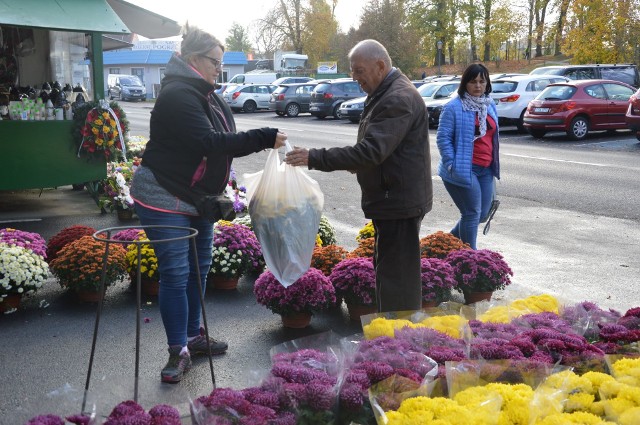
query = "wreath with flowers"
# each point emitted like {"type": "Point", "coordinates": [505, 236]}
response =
{"type": "Point", "coordinates": [100, 130]}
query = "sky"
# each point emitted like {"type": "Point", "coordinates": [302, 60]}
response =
{"type": "Point", "coordinates": [217, 16]}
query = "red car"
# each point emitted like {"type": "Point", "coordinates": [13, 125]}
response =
{"type": "Point", "coordinates": [633, 114]}
{"type": "Point", "coordinates": [578, 107]}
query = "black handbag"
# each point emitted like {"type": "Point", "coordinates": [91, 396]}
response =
{"type": "Point", "coordinates": [215, 207]}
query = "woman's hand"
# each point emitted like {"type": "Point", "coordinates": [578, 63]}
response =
{"type": "Point", "coordinates": [298, 156]}
{"type": "Point", "coordinates": [280, 139]}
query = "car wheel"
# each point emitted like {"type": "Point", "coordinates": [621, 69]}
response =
{"type": "Point", "coordinates": [578, 128]}
{"type": "Point", "coordinates": [249, 106]}
{"type": "Point", "coordinates": [536, 132]}
{"type": "Point", "coordinates": [293, 109]}
{"type": "Point", "coordinates": [280, 113]}
{"type": "Point", "coordinates": [520, 122]}
{"type": "Point", "coordinates": [336, 111]}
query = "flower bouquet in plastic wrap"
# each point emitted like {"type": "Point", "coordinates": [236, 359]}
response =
{"type": "Point", "coordinates": [285, 206]}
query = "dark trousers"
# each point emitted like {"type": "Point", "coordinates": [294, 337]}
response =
{"type": "Point", "coordinates": [397, 264]}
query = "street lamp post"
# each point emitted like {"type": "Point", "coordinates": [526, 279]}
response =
{"type": "Point", "coordinates": [439, 44]}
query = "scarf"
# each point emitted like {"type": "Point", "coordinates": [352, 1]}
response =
{"type": "Point", "coordinates": [479, 105]}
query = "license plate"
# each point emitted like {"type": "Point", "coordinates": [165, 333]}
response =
{"type": "Point", "coordinates": [541, 110]}
{"type": "Point", "coordinates": [313, 108]}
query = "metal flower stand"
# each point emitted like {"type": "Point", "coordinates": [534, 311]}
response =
{"type": "Point", "coordinates": [104, 235]}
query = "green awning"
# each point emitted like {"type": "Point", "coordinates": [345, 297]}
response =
{"type": "Point", "coordinates": [63, 15]}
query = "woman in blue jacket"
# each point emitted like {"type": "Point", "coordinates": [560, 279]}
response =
{"type": "Point", "coordinates": [468, 142]}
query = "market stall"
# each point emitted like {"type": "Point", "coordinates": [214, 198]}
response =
{"type": "Point", "coordinates": [42, 43]}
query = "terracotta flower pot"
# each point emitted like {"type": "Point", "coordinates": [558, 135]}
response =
{"type": "Point", "coordinates": [474, 297]}
{"type": "Point", "coordinates": [10, 302]}
{"type": "Point", "coordinates": [149, 286]}
{"type": "Point", "coordinates": [297, 320]}
{"type": "Point", "coordinates": [429, 304]}
{"type": "Point", "coordinates": [221, 282]}
{"type": "Point", "coordinates": [88, 296]}
{"type": "Point", "coordinates": [357, 310]}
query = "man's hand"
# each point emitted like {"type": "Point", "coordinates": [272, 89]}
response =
{"type": "Point", "coordinates": [280, 139]}
{"type": "Point", "coordinates": [298, 156]}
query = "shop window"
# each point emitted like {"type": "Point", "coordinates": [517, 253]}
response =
{"type": "Point", "coordinates": [138, 72]}
{"type": "Point", "coordinates": [114, 70]}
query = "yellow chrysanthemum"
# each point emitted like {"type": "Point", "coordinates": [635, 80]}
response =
{"type": "Point", "coordinates": [384, 327]}
{"type": "Point", "coordinates": [105, 115]}
{"type": "Point", "coordinates": [112, 122]}
{"type": "Point", "coordinates": [449, 324]}
{"type": "Point", "coordinates": [98, 121]}
{"type": "Point", "coordinates": [581, 418]}
{"type": "Point", "coordinates": [95, 131]}
{"type": "Point", "coordinates": [597, 379]}
{"type": "Point", "coordinates": [630, 417]}
{"type": "Point", "coordinates": [105, 129]}
{"type": "Point", "coordinates": [99, 142]}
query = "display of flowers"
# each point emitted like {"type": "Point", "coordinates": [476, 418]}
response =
{"type": "Point", "coordinates": [365, 248]}
{"type": "Point", "coordinates": [148, 259]}
{"type": "Point", "coordinates": [29, 240]}
{"type": "Point", "coordinates": [127, 235]}
{"type": "Point", "coordinates": [311, 292]}
{"type": "Point", "coordinates": [326, 231]}
{"type": "Point", "coordinates": [437, 280]}
{"type": "Point", "coordinates": [368, 231]}
{"type": "Point", "coordinates": [226, 263]}
{"type": "Point", "coordinates": [115, 188]}
{"type": "Point", "coordinates": [135, 146]}
{"type": "Point", "coordinates": [440, 244]}
{"type": "Point", "coordinates": [479, 270]}
{"type": "Point", "coordinates": [78, 265]}
{"type": "Point", "coordinates": [22, 271]}
{"type": "Point", "coordinates": [326, 257]}
{"type": "Point", "coordinates": [237, 193]}
{"type": "Point", "coordinates": [66, 236]}
{"type": "Point", "coordinates": [355, 280]}
{"type": "Point", "coordinates": [239, 242]}
{"type": "Point", "coordinates": [100, 129]}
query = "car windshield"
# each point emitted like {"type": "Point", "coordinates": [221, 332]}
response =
{"type": "Point", "coordinates": [130, 81]}
{"type": "Point", "coordinates": [557, 93]}
{"type": "Point", "coordinates": [280, 89]}
{"type": "Point", "coordinates": [427, 90]}
{"type": "Point", "coordinates": [322, 87]}
{"type": "Point", "coordinates": [546, 70]}
{"type": "Point", "coordinates": [503, 86]}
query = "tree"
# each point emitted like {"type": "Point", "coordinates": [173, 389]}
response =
{"type": "Point", "coordinates": [540, 14]}
{"type": "Point", "coordinates": [563, 7]}
{"type": "Point", "coordinates": [238, 39]}
{"type": "Point", "coordinates": [321, 31]}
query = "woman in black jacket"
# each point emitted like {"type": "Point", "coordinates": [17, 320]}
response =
{"type": "Point", "coordinates": [192, 143]}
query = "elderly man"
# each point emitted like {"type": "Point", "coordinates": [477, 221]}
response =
{"type": "Point", "coordinates": [393, 165]}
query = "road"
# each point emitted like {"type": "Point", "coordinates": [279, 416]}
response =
{"type": "Point", "coordinates": [568, 225]}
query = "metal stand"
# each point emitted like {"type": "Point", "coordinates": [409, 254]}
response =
{"type": "Point", "coordinates": [104, 235]}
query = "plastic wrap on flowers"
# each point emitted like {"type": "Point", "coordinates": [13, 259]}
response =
{"type": "Point", "coordinates": [285, 206]}
{"type": "Point", "coordinates": [392, 363]}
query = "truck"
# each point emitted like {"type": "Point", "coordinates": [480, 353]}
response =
{"type": "Point", "coordinates": [289, 62]}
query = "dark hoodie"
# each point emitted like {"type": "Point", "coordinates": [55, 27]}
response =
{"type": "Point", "coordinates": [193, 138]}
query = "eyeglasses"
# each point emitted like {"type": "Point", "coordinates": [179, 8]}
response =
{"type": "Point", "coordinates": [217, 63]}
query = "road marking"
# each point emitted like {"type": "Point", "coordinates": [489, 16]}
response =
{"type": "Point", "coordinates": [558, 160]}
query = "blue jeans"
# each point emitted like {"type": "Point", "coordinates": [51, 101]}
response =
{"type": "Point", "coordinates": [473, 202]}
{"type": "Point", "coordinates": [179, 297]}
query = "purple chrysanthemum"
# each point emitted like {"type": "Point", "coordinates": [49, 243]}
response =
{"type": "Point", "coordinates": [29, 240]}
{"type": "Point", "coordinates": [437, 279]}
{"type": "Point", "coordinates": [355, 280]}
{"type": "Point", "coordinates": [479, 270]}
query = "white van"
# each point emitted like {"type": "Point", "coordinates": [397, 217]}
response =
{"type": "Point", "coordinates": [254, 78]}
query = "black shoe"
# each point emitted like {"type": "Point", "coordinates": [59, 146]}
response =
{"type": "Point", "coordinates": [177, 365]}
{"type": "Point", "coordinates": [199, 345]}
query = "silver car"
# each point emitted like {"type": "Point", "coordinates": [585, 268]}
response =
{"type": "Point", "coordinates": [248, 97]}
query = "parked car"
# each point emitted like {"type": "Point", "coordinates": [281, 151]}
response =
{"type": "Point", "coordinates": [248, 97]}
{"type": "Point", "coordinates": [125, 87]}
{"type": "Point", "coordinates": [327, 97]}
{"type": "Point", "coordinates": [291, 80]}
{"type": "Point", "coordinates": [625, 73]}
{"type": "Point", "coordinates": [513, 93]}
{"type": "Point", "coordinates": [632, 117]}
{"type": "Point", "coordinates": [291, 99]}
{"type": "Point", "coordinates": [578, 107]}
{"type": "Point", "coordinates": [352, 109]}
{"type": "Point", "coordinates": [435, 95]}
{"type": "Point", "coordinates": [418, 83]}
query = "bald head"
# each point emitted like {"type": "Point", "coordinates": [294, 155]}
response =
{"type": "Point", "coordinates": [370, 64]}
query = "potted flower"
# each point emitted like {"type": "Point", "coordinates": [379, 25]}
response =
{"type": "Point", "coordinates": [478, 273]}
{"type": "Point", "coordinates": [437, 281]}
{"type": "Point", "coordinates": [115, 190]}
{"type": "Point", "coordinates": [78, 267]}
{"type": "Point", "coordinates": [325, 258]}
{"type": "Point", "coordinates": [237, 193]}
{"type": "Point", "coordinates": [439, 244]}
{"type": "Point", "coordinates": [297, 302]}
{"type": "Point", "coordinates": [326, 232]}
{"type": "Point", "coordinates": [149, 275]}
{"type": "Point", "coordinates": [136, 146]}
{"type": "Point", "coordinates": [355, 282]}
{"type": "Point", "coordinates": [365, 248]}
{"type": "Point", "coordinates": [241, 254]}
{"type": "Point", "coordinates": [66, 236]}
{"type": "Point", "coordinates": [22, 272]}
{"type": "Point", "coordinates": [368, 231]}
{"type": "Point", "coordinates": [29, 240]}
{"type": "Point", "coordinates": [128, 235]}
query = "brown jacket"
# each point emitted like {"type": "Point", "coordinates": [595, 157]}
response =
{"type": "Point", "coordinates": [391, 156]}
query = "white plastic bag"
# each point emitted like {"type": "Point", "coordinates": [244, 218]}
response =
{"type": "Point", "coordinates": [285, 206]}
